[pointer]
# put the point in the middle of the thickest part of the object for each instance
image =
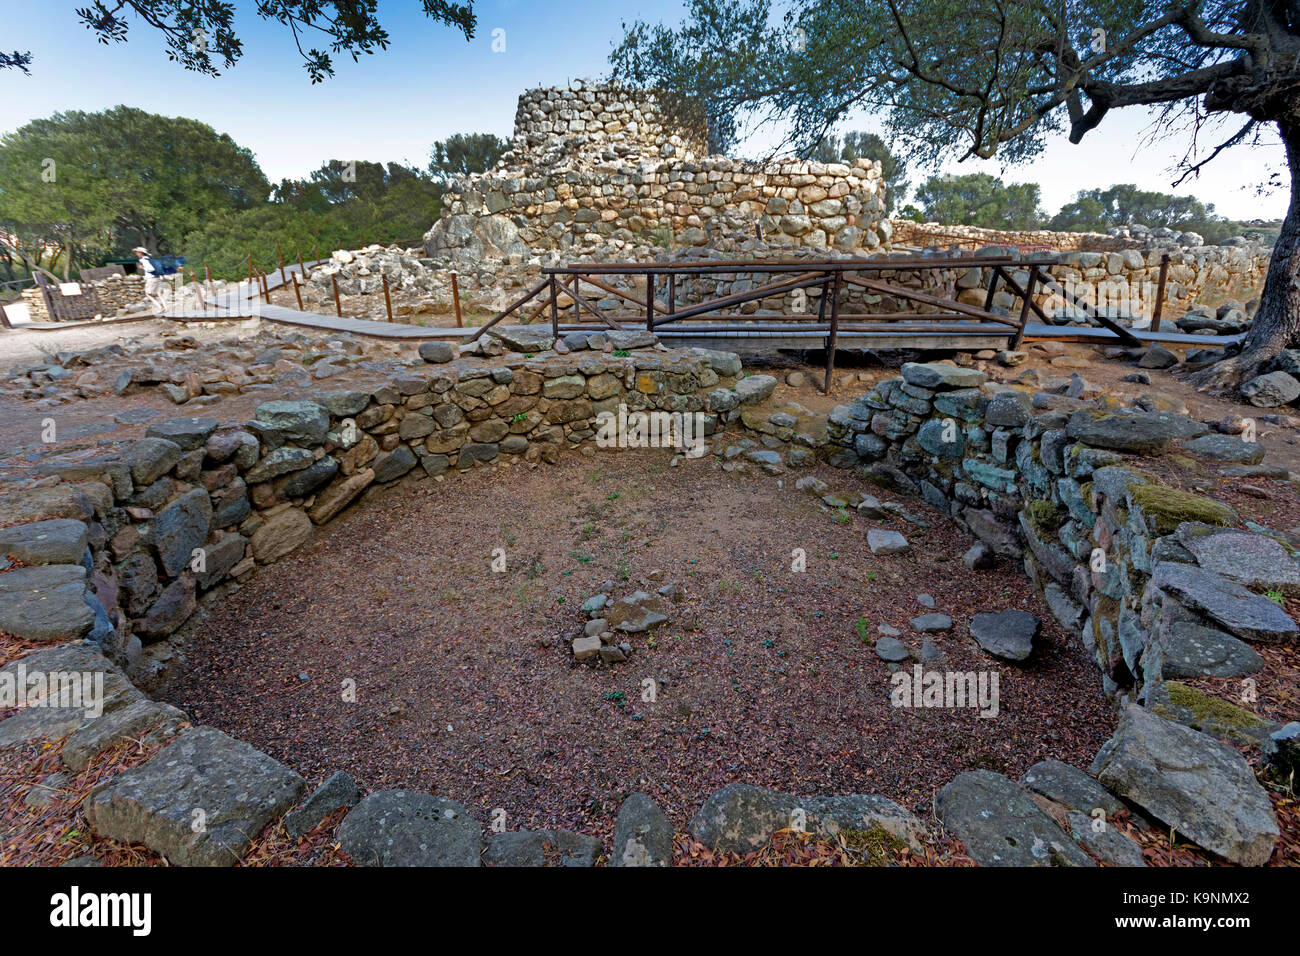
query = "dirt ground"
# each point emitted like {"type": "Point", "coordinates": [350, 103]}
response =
{"type": "Point", "coordinates": [466, 687]}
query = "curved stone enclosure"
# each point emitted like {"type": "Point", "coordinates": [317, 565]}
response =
{"type": "Point", "coordinates": [121, 547]}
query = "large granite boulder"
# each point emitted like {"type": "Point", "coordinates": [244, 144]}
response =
{"type": "Point", "coordinates": [1001, 824]}
{"type": "Point", "coordinates": [643, 834]}
{"type": "Point", "coordinates": [1200, 787]}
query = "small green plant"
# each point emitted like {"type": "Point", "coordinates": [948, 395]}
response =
{"type": "Point", "coordinates": [863, 634]}
{"type": "Point", "coordinates": [621, 353]}
{"type": "Point", "coordinates": [616, 697]}
{"type": "Point", "coordinates": [519, 417]}
{"type": "Point", "coordinates": [1275, 596]}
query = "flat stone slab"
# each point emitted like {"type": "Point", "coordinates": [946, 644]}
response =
{"type": "Point", "coordinates": [1202, 788]}
{"type": "Point", "coordinates": [1071, 787]}
{"type": "Point", "coordinates": [56, 541]}
{"type": "Point", "coordinates": [199, 802]}
{"type": "Point", "coordinates": [881, 541]}
{"type": "Point", "coordinates": [524, 338]}
{"type": "Point", "coordinates": [45, 604]}
{"type": "Point", "coordinates": [145, 720]}
{"type": "Point", "coordinates": [542, 848]}
{"type": "Point", "coordinates": [35, 504]}
{"type": "Point", "coordinates": [741, 818]}
{"type": "Point", "coordinates": [1001, 824]}
{"type": "Point", "coordinates": [1007, 634]}
{"type": "Point", "coordinates": [1191, 650]}
{"type": "Point", "coordinates": [1250, 616]}
{"type": "Point", "coordinates": [1135, 432]}
{"type": "Point", "coordinates": [189, 433]}
{"type": "Point", "coordinates": [65, 689]}
{"type": "Point", "coordinates": [931, 623]}
{"type": "Point", "coordinates": [643, 834]}
{"type": "Point", "coordinates": [400, 828]}
{"type": "Point", "coordinates": [1254, 560]}
{"type": "Point", "coordinates": [941, 375]}
{"type": "Point", "coordinates": [1226, 448]}
{"type": "Point", "coordinates": [637, 612]}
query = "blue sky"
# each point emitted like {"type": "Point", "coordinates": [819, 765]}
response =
{"type": "Point", "coordinates": [431, 83]}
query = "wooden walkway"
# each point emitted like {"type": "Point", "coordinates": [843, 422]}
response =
{"type": "Point", "coordinates": [949, 325]}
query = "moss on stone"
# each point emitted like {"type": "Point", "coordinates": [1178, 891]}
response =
{"type": "Point", "coordinates": [1167, 508]}
{"type": "Point", "coordinates": [877, 845]}
{"type": "Point", "coordinates": [1043, 517]}
{"type": "Point", "coordinates": [1202, 710]}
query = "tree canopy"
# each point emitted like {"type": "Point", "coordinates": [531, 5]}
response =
{"type": "Point", "coordinates": [1096, 210]}
{"type": "Point", "coordinates": [861, 145]}
{"type": "Point", "coordinates": [123, 177]}
{"type": "Point", "coordinates": [201, 36]}
{"type": "Point", "coordinates": [978, 199]}
{"type": "Point", "coordinates": [465, 153]}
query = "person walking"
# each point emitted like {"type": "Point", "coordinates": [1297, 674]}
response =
{"type": "Point", "coordinates": [153, 283]}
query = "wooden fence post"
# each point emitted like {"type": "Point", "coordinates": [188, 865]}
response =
{"type": "Point", "coordinates": [297, 291]}
{"type": "Point", "coordinates": [650, 301]}
{"type": "Point", "coordinates": [388, 301]}
{"type": "Point", "coordinates": [1160, 293]}
{"type": "Point", "coordinates": [455, 300]}
{"type": "Point", "coordinates": [338, 306]}
{"type": "Point", "coordinates": [1019, 337]}
{"type": "Point", "coordinates": [555, 309]}
{"type": "Point", "coordinates": [833, 337]}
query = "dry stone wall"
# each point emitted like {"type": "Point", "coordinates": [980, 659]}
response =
{"type": "Point", "coordinates": [118, 294]}
{"type": "Point", "coordinates": [1117, 273]}
{"type": "Point", "coordinates": [107, 555]}
{"type": "Point", "coordinates": [592, 162]}
{"type": "Point", "coordinates": [1126, 563]}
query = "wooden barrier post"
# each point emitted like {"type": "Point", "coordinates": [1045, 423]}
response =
{"type": "Point", "coordinates": [388, 301]}
{"type": "Point", "coordinates": [250, 268]}
{"type": "Point", "coordinates": [1160, 293]}
{"type": "Point", "coordinates": [338, 306]}
{"type": "Point", "coordinates": [455, 300]}
{"type": "Point", "coordinates": [297, 291]}
{"type": "Point", "coordinates": [993, 287]}
{"type": "Point", "coordinates": [833, 337]}
{"type": "Point", "coordinates": [280, 255]}
{"type": "Point", "coordinates": [650, 301]}
{"type": "Point", "coordinates": [1019, 337]}
{"type": "Point", "coordinates": [555, 309]}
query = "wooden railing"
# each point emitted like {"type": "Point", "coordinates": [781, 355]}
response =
{"type": "Point", "coordinates": [832, 277]}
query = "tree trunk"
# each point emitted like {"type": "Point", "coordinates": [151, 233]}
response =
{"type": "Point", "coordinates": [1277, 321]}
